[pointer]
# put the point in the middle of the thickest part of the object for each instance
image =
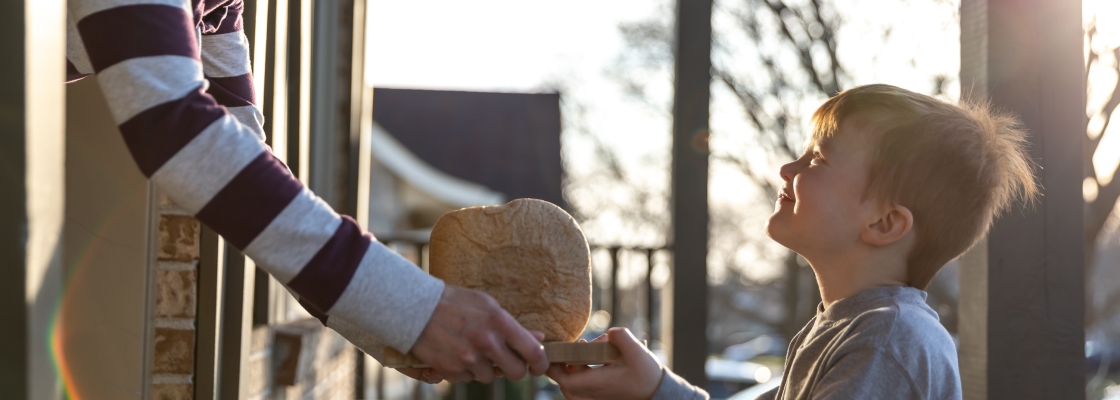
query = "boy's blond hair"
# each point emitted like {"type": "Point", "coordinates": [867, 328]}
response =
{"type": "Point", "coordinates": [956, 167]}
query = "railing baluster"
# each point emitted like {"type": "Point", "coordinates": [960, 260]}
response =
{"type": "Point", "coordinates": [616, 304]}
{"type": "Point", "coordinates": [649, 293]}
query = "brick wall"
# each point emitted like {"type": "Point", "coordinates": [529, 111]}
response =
{"type": "Point", "coordinates": [301, 360]}
{"type": "Point", "coordinates": [311, 361]}
{"type": "Point", "coordinates": [176, 303]}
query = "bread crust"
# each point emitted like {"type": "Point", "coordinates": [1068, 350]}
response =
{"type": "Point", "coordinates": [528, 254]}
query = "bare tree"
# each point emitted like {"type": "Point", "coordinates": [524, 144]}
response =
{"type": "Point", "coordinates": [1100, 201]}
{"type": "Point", "coordinates": [775, 59]}
{"type": "Point", "coordinates": [772, 57]}
{"type": "Point", "coordinates": [792, 59]}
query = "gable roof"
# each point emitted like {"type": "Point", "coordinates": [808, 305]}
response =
{"type": "Point", "coordinates": [413, 171]}
{"type": "Point", "coordinates": [507, 142]}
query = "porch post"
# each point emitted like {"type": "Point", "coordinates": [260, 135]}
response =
{"type": "Point", "coordinates": [32, 138]}
{"type": "Point", "coordinates": [687, 311]}
{"type": "Point", "coordinates": [1022, 290]}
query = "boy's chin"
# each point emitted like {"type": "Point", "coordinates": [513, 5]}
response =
{"type": "Point", "coordinates": [776, 232]}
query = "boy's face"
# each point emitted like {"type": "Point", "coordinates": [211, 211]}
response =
{"type": "Point", "coordinates": [819, 212]}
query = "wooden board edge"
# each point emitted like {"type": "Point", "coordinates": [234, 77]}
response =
{"type": "Point", "coordinates": [572, 353]}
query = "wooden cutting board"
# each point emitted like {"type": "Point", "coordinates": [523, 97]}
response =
{"type": "Point", "coordinates": [557, 353]}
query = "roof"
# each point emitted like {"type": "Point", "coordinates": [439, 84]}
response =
{"type": "Point", "coordinates": [507, 142]}
{"type": "Point", "coordinates": [414, 171]}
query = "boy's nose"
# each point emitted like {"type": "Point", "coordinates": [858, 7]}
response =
{"type": "Point", "coordinates": [788, 170]}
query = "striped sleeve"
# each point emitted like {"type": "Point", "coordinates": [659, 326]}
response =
{"type": "Point", "coordinates": [226, 66]}
{"type": "Point", "coordinates": [146, 57]}
{"type": "Point", "coordinates": [77, 62]}
{"type": "Point", "coordinates": [362, 340]}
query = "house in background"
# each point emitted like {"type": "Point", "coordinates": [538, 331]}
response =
{"type": "Point", "coordinates": [435, 151]}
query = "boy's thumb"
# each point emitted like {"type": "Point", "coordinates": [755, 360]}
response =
{"type": "Point", "coordinates": [625, 341]}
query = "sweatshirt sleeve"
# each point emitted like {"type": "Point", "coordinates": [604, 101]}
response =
{"type": "Point", "coordinates": [674, 387]}
{"type": "Point", "coordinates": [146, 57]}
{"type": "Point", "coordinates": [227, 67]}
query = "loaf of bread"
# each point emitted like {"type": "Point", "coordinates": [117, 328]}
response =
{"type": "Point", "coordinates": [528, 254]}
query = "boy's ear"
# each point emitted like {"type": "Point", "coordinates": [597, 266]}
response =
{"type": "Point", "coordinates": [891, 226]}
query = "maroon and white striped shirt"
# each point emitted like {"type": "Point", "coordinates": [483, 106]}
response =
{"type": "Point", "coordinates": [178, 80]}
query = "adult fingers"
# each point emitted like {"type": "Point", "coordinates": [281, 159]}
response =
{"type": "Point", "coordinates": [426, 375]}
{"type": "Point", "coordinates": [414, 373]}
{"type": "Point", "coordinates": [479, 366]}
{"type": "Point", "coordinates": [482, 372]}
{"type": "Point", "coordinates": [537, 335]}
{"type": "Point", "coordinates": [431, 376]}
{"type": "Point", "coordinates": [448, 355]}
{"type": "Point", "coordinates": [497, 352]}
{"type": "Point", "coordinates": [522, 342]}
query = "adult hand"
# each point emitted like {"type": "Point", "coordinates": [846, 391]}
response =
{"type": "Point", "coordinates": [469, 334]}
{"type": "Point", "coordinates": [635, 375]}
{"type": "Point", "coordinates": [426, 375]}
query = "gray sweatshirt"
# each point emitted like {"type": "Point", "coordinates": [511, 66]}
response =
{"type": "Point", "coordinates": [881, 343]}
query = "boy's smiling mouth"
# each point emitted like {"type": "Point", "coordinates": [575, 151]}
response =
{"type": "Point", "coordinates": [783, 196]}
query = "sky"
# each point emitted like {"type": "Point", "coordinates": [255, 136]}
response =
{"type": "Point", "coordinates": [534, 46]}
{"type": "Point", "coordinates": [511, 46]}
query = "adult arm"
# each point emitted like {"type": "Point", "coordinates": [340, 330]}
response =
{"type": "Point", "coordinates": [224, 51]}
{"type": "Point", "coordinates": [146, 57]}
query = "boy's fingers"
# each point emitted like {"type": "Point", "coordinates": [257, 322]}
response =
{"type": "Point", "coordinates": [568, 395]}
{"type": "Point", "coordinates": [579, 378]}
{"type": "Point", "coordinates": [575, 369]}
{"type": "Point", "coordinates": [537, 335]}
{"type": "Point", "coordinates": [625, 341]}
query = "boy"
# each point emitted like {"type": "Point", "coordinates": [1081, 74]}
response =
{"type": "Point", "coordinates": [892, 186]}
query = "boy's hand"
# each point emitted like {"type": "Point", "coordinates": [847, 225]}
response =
{"type": "Point", "coordinates": [635, 375]}
{"type": "Point", "coordinates": [469, 333]}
